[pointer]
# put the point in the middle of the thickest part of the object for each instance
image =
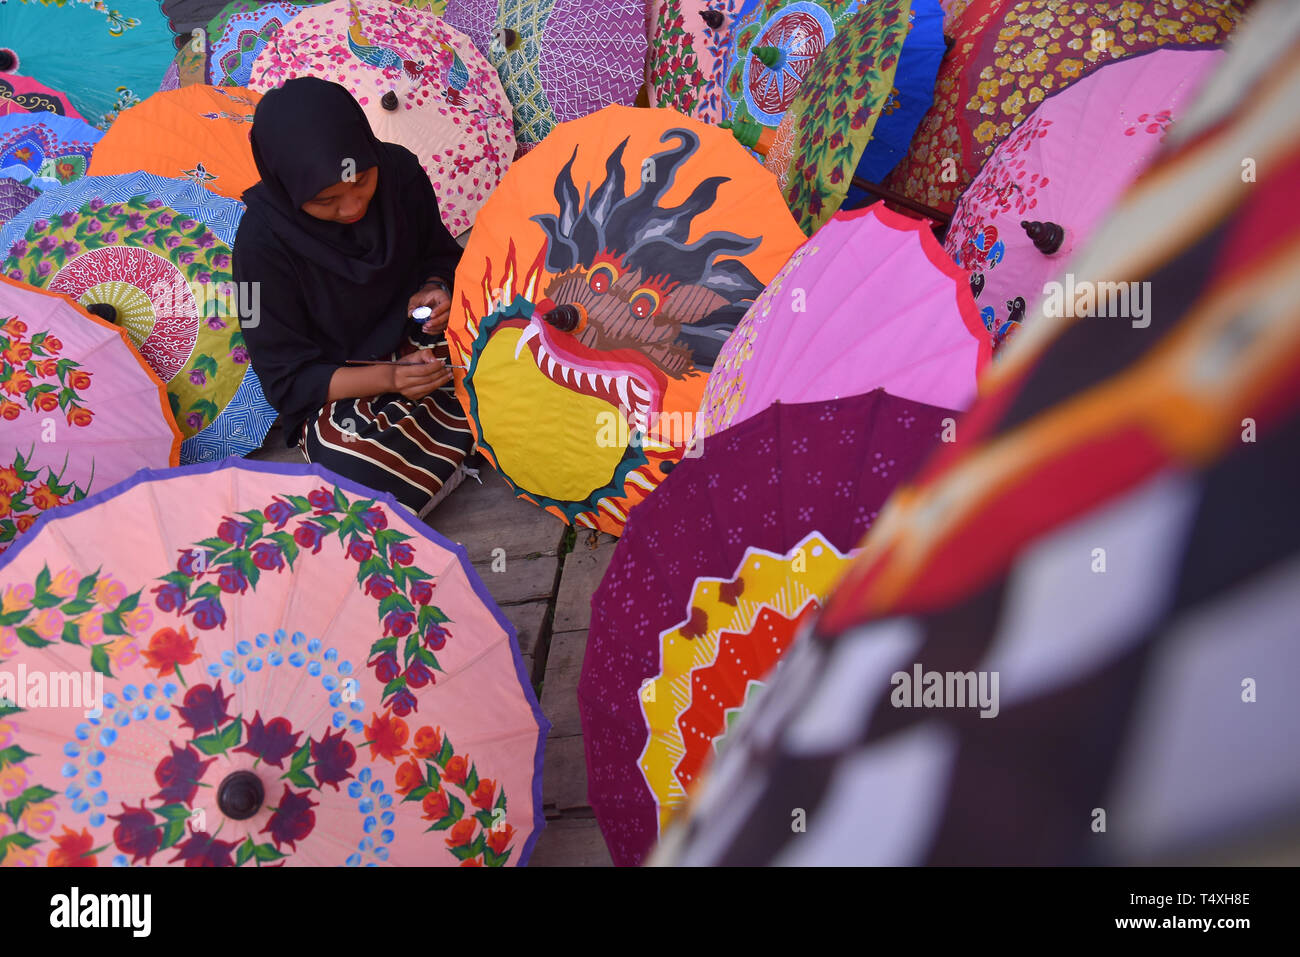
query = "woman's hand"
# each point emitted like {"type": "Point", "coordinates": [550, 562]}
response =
{"type": "Point", "coordinates": [437, 299]}
{"type": "Point", "coordinates": [424, 374]}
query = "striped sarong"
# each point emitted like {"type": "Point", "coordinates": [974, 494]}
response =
{"type": "Point", "coordinates": [413, 449]}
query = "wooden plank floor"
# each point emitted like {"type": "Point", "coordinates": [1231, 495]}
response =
{"type": "Point", "coordinates": [545, 590]}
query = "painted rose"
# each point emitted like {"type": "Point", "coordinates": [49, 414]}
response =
{"type": "Point", "coordinates": [462, 832]}
{"type": "Point", "coordinates": [232, 531]}
{"type": "Point", "coordinates": [271, 741]}
{"type": "Point", "coordinates": [72, 850]}
{"type": "Point", "coordinates": [239, 354]}
{"type": "Point", "coordinates": [194, 420]}
{"type": "Point", "coordinates": [387, 736]}
{"type": "Point", "coordinates": [402, 554]}
{"type": "Point", "coordinates": [279, 512]}
{"type": "Point", "coordinates": [64, 583]}
{"type": "Point", "coordinates": [309, 535]}
{"type": "Point", "coordinates": [409, 777]}
{"type": "Point", "coordinates": [136, 834]}
{"type": "Point", "coordinates": [421, 592]}
{"type": "Point", "coordinates": [192, 562]}
{"type": "Point", "coordinates": [267, 556]}
{"type": "Point", "coordinates": [436, 637]}
{"type": "Point", "coordinates": [79, 417]}
{"type": "Point", "coordinates": [403, 703]}
{"type": "Point", "coordinates": [47, 368]}
{"type": "Point", "coordinates": [418, 674]}
{"type": "Point", "coordinates": [399, 623]}
{"type": "Point", "coordinates": [428, 742]}
{"type": "Point", "coordinates": [386, 667]}
{"type": "Point", "coordinates": [293, 819]}
{"type": "Point", "coordinates": [435, 806]}
{"type": "Point", "coordinates": [204, 708]}
{"type": "Point", "coordinates": [38, 818]}
{"type": "Point", "coordinates": [43, 496]}
{"type": "Point", "coordinates": [379, 587]}
{"type": "Point", "coordinates": [9, 480]}
{"type": "Point", "coordinates": [9, 410]}
{"type": "Point", "coordinates": [198, 377]}
{"type": "Point", "coordinates": [457, 769]}
{"type": "Point", "coordinates": [484, 793]}
{"type": "Point", "coordinates": [48, 623]}
{"type": "Point", "coordinates": [45, 402]}
{"type": "Point", "coordinates": [178, 775]}
{"type": "Point", "coordinates": [375, 519]}
{"type": "Point", "coordinates": [169, 649]}
{"type": "Point", "coordinates": [322, 500]}
{"type": "Point", "coordinates": [209, 614]}
{"type": "Point", "coordinates": [359, 551]}
{"type": "Point", "coordinates": [332, 758]}
{"type": "Point", "coordinates": [232, 580]}
{"type": "Point", "coordinates": [498, 838]}
{"type": "Point", "coordinates": [201, 850]}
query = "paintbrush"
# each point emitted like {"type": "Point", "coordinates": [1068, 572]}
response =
{"type": "Point", "coordinates": [396, 362]}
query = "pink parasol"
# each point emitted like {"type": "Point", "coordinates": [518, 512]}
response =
{"type": "Point", "coordinates": [81, 409]}
{"type": "Point", "coordinates": [869, 302]}
{"type": "Point", "coordinates": [421, 83]}
{"type": "Point", "coordinates": [1059, 172]}
{"type": "Point", "coordinates": [259, 663]}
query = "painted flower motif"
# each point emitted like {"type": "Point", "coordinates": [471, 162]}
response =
{"type": "Point", "coordinates": [436, 637]}
{"type": "Point", "coordinates": [279, 512]}
{"type": "Point", "coordinates": [435, 806]}
{"type": "Point", "coordinates": [194, 420]}
{"type": "Point", "coordinates": [498, 838]}
{"type": "Point", "coordinates": [9, 480]}
{"type": "Point", "coordinates": [374, 519]}
{"type": "Point", "coordinates": [484, 793]}
{"type": "Point", "coordinates": [178, 775]}
{"type": "Point", "coordinates": [386, 667]}
{"type": "Point", "coordinates": [428, 742]}
{"type": "Point", "coordinates": [309, 535]}
{"type": "Point", "coordinates": [457, 770]}
{"type": "Point", "coordinates": [169, 649]}
{"type": "Point", "coordinates": [136, 834]}
{"type": "Point", "coordinates": [462, 832]}
{"type": "Point", "coordinates": [209, 614]}
{"type": "Point", "coordinates": [399, 623]}
{"type": "Point", "coordinates": [418, 675]}
{"type": "Point", "coordinates": [403, 703]}
{"type": "Point", "coordinates": [322, 500]}
{"type": "Point", "coordinates": [293, 819]}
{"type": "Point", "coordinates": [387, 736]}
{"type": "Point", "coordinates": [359, 551]}
{"type": "Point", "coordinates": [72, 850]}
{"type": "Point", "coordinates": [198, 377]}
{"type": "Point", "coordinates": [267, 556]}
{"type": "Point", "coordinates": [409, 777]}
{"type": "Point", "coordinates": [422, 591]}
{"type": "Point", "coordinates": [204, 708]}
{"type": "Point", "coordinates": [232, 580]}
{"type": "Point", "coordinates": [271, 741]}
{"type": "Point", "coordinates": [333, 757]}
{"type": "Point", "coordinates": [79, 417]}
{"type": "Point", "coordinates": [200, 850]}
{"type": "Point", "coordinates": [38, 818]}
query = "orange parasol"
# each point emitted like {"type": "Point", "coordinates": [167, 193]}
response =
{"type": "Point", "coordinates": [197, 132]}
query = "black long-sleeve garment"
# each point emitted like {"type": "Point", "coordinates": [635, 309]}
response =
{"type": "Point", "coordinates": [310, 319]}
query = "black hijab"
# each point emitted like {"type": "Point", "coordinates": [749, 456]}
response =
{"type": "Point", "coordinates": [330, 291]}
{"type": "Point", "coordinates": [307, 135]}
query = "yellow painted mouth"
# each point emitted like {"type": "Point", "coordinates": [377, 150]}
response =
{"type": "Point", "coordinates": [544, 450]}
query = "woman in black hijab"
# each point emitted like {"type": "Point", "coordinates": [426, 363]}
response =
{"type": "Point", "coordinates": [344, 237]}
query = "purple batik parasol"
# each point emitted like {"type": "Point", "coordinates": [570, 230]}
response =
{"type": "Point", "coordinates": [713, 576]}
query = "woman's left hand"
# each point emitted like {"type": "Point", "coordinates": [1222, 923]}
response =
{"type": "Point", "coordinates": [437, 299]}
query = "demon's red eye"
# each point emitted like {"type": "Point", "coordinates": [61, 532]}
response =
{"type": "Point", "coordinates": [601, 277]}
{"type": "Point", "coordinates": [644, 303]}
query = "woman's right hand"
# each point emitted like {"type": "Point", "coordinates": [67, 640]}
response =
{"type": "Point", "coordinates": [422, 376]}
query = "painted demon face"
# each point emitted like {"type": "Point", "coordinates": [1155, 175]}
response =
{"type": "Point", "coordinates": [617, 312]}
